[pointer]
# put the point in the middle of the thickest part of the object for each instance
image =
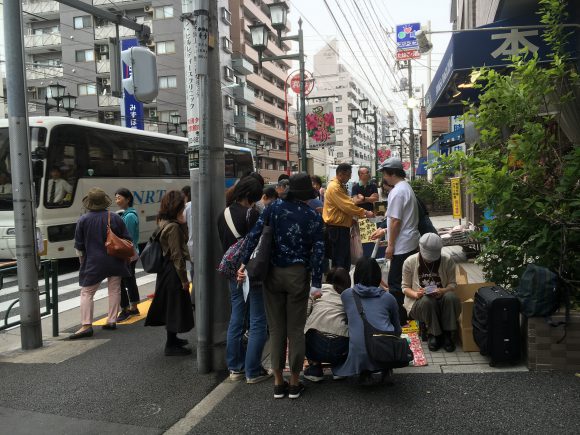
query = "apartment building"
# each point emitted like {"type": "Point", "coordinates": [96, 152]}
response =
{"type": "Point", "coordinates": [68, 46]}
{"type": "Point", "coordinates": [260, 111]}
{"type": "Point", "coordinates": [333, 81]}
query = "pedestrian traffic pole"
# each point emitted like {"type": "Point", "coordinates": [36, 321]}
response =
{"type": "Point", "coordinates": [411, 132]}
{"type": "Point", "coordinates": [195, 37]}
{"type": "Point", "coordinates": [22, 188]}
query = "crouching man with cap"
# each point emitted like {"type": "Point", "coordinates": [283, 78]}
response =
{"type": "Point", "coordinates": [428, 284]}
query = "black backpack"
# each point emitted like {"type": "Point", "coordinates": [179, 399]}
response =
{"type": "Point", "coordinates": [152, 255]}
{"type": "Point", "coordinates": [541, 293]}
{"type": "Point", "coordinates": [425, 225]}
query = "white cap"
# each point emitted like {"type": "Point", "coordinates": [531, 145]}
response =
{"type": "Point", "coordinates": [430, 246]}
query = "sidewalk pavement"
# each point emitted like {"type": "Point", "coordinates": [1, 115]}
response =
{"type": "Point", "coordinates": [121, 382]}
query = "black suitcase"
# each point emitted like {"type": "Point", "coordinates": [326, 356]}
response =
{"type": "Point", "coordinates": [496, 324]}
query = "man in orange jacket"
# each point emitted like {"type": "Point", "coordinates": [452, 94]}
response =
{"type": "Point", "coordinates": [338, 213]}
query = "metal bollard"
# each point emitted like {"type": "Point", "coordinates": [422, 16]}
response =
{"type": "Point", "coordinates": [54, 272]}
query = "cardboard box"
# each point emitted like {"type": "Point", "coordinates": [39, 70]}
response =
{"type": "Point", "coordinates": [465, 292]}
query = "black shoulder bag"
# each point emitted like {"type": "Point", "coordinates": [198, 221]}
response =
{"type": "Point", "coordinates": [384, 348]}
{"type": "Point", "coordinates": [259, 263]}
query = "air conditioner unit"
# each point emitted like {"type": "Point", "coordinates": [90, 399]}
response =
{"type": "Point", "coordinates": [152, 113]}
{"type": "Point", "coordinates": [148, 9]}
{"type": "Point", "coordinates": [105, 82]}
{"type": "Point", "coordinates": [103, 48]}
{"type": "Point", "coordinates": [109, 115]}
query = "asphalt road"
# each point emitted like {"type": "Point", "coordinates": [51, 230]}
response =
{"type": "Point", "coordinates": [127, 380]}
{"type": "Point", "coordinates": [468, 403]}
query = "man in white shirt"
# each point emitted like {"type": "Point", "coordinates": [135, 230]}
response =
{"type": "Point", "coordinates": [57, 188]}
{"type": "Point", "coordinates": [402, 225]}
{"type": "Point", "coordinates": [187, 217]}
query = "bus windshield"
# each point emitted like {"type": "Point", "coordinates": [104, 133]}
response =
{"type": "Point", "coordinates": [37, 137]}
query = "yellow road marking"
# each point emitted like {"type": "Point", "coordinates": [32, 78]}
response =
{"type": "Point", "coordinates": [143, 310]}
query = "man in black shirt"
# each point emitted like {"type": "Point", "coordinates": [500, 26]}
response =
{"type": "Point", "coordinates": [365, 193]}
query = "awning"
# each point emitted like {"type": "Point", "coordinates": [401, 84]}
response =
{"type": "Point", "coordinates": [446, 143]}
{"type": "Point", "coordinates": [452, 138]}
{"type": "Point", "coordinates": [468, 50]}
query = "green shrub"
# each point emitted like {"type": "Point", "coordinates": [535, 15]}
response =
{"type": "Point", "coordinates": [523, 168]}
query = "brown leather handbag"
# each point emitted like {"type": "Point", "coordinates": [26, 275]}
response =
{"type": "Point", "coordinates": [116, 246]}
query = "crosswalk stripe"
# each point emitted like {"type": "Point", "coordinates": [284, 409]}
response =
{"type": "Point", "coordinates": [13, 287]}
{"type": "Point", "coordinates": [74, 302]}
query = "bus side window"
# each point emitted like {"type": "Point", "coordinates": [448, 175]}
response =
{"type": "Point", "coordinates": [61, 168]}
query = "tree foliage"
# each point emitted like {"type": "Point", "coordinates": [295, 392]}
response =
{"type": "Point", "coordinates": [523, 168]}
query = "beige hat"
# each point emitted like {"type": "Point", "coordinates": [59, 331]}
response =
{"type": "Point", "coordinates": [97, 200]}
{"type": "Point", "coordinates": [430, 246]}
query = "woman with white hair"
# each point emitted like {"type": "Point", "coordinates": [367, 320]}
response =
{"type": "Point", "coordinates": [428, 284]}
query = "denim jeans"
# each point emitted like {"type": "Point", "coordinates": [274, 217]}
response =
{"type": "Point", "coordinates": [324, 349]}
{"type": "Point", "coordinates": [395, 280]}
{"type": "Point", "coordinates": [240, 357]}
{"type": "Point", "coordinates": [339, 240]}
{"type": "Point", "coordinates": [129, 289]}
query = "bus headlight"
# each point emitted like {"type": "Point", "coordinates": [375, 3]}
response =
{"type": "Point", "coordinates": [11, 232]}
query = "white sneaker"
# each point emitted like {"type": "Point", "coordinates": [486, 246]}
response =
{"type": "Point", "coordinates": [236, 376]}
{"type": "Point", "coordinates": [264, 374]}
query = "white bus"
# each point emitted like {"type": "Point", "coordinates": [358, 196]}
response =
{"type": "Point", "coordinates": [90, 154]}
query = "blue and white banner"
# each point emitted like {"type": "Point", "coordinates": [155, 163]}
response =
{"type": "Point", "coordinates": [131, 109]}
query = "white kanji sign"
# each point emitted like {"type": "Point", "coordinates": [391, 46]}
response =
{"type": "Point", "coordinates": [515, 40]}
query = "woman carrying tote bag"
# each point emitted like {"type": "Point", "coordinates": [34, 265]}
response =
{"type": "Point", "coordinates": [171, 307]}
{"type": "Point", "coordinates": [96, 264]}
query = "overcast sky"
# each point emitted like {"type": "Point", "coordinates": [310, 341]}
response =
{"type": "Point", "coordinates": [319, 28]}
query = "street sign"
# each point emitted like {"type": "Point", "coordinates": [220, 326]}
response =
{"type": "Point", "coordinates": [456, 197]}
{"type": "Point", "coordinates": [308, 83]}
{"type": "Point", "coordinates": [408, 54]}
{"type": "Point", "coordinates": [406, 36]}
{"type": "Point", "coordinates": [131, 108]}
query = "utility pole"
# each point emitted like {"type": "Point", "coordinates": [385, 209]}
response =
{"type": "Point", "coordinates": [206, 163]}
{"type": "Point", "coordinates": [429, 120]}
{"type": "Point", "coordinates": [22, 189]}
{"type": "Point", "coordinates": [302, 97]}
{"type": "Point", "coordinates": [411, 132]}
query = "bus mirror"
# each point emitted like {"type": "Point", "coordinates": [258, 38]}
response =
{"type": "Point", "coordinates": [37, 169]}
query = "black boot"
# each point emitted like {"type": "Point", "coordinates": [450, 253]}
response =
{"type": "Point", "coordinates": [449, 341]}
{"type": "Point", "coordinates": [434, 343]}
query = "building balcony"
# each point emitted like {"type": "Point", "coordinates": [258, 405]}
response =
{"type": "Point", "coordinates": [106, 32]}
{"type": "Point", "coordinates": [270, 130]}
{"type": "Point", "coordinates": [103, 67]}
{"type": "Point", "coordinates": [43, 72]}
{"type": "Point", "coordinates": [44, 8]}
{"type": "Point", "coordinates": [253, 12]}
{"type": "Point", "coordinates": [261, 83]}
{"type": "Point", "coordinates": [244, 122]}
{"type": "Point", "coordinates": [242, 66]}
{"type": "Point", "coordinates": [271, 67]}
{"type": "Point", "coordinates": [41, 42]}
{"type": "Point", "coordinates": [132, 3]}
{"type": "Point", "coordinates": [108, 101]}
{"type": "Point", "coordinates": [244, 94]}
{"type": "Point", "coordinates": [270, 109]}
